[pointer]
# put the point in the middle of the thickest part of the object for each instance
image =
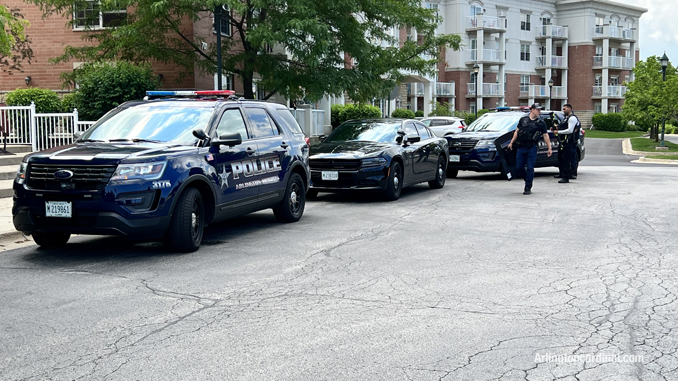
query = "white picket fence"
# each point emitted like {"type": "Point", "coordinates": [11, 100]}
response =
{"type": "Point", "coordinates": [22, 125]}
{"type": "Point", "coordinates": [317, 120]}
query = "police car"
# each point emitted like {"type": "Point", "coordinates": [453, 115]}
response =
{"type": "Point", "coordinates": [166, 167]}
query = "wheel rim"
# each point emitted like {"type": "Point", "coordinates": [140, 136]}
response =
{"type": "Point", "coordinates": [195, 221]}
{"type": "Point", "coordinates": [441, 171]}
{"type": "Point", "coordinates": [295, 201]}
{"type": "Point", "coordinates": [396, 180]}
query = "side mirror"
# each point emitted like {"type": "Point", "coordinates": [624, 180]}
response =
{"type": "Point", "coordinates": [322, 138]}
{"type": "Point", "coordinates": [77, 135]}
{"type": "Point", "coordinates": [413, 138]}
{"type": "Point", "coordinates": [231, 140]}
{"type": "Point", "coordinates": [200, 134]}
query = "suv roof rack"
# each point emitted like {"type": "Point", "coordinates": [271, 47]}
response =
{"type": "Point", "coordinates": [203, 94]}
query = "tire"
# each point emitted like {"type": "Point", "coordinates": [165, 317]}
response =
{"type": "Point", "coordinates": [395, 182]}
{"type": "Point", "coordinates": [47, 240]}
{"type": "Point", "coordinates": [311, 193]}
{"type": "Point", "coordinates": [188, 222]}
{"type": "Point", "coordinates": [439, 181]}
{"type": "Point", "coordinates": [452, 173]}
{"type": "Point", "coordinates": [291, 207]}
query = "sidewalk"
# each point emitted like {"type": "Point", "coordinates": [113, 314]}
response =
{"type": "Point", "coordinates": [6, 226]}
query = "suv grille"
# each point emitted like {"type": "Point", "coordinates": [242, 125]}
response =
{"type": "Point", "coordinates": [462, 145]}
{"type": "Point", "coordinates": [85, 177]}
{"type": "Point", "coordinates": [332, 164]}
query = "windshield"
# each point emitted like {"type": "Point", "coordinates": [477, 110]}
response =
{"type": "Point", "coordinates": [367, 131]}
{"type": "Point", "coordinates": [151, 122]}
{"type": "Point", "coordinates": [494, 122]}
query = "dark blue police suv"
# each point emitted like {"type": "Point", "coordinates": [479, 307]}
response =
{"type": "Point", "coordinates": [165, 168]}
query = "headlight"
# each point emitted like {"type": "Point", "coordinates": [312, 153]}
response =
{"type": "Point", "coordinates": [141, 171]}
{"type": "Point", "coordinates": [489, 144]}
{"type": "Point", "coordinates": [21, 173]}
{"type": "Point", "coordinates": [373, 162]}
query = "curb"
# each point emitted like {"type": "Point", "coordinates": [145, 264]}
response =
{"type": "Point", "coordinates": [15, 235]}
{"type": "Point", "coordinates": [656, 161]}
{"type": "Point", "coordinates": [627, 150]}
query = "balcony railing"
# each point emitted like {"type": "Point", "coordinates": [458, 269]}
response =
{"type": "Point", "coordinates": [490, 55]}
{"type": "Point", "coordinates": [614, 62]}
{"type": "Point", "coordinates": [556, 61]}
{"type": "Point", "coordinates": [444, 89]}
{"type": "Point", "coordinates": [610, 91]}
{"type": "Point", "coordinates": [553, 31]}
{"type": "Point", "coordinates": [559, 92]}
{"type": "Point", "coordinates": [489, 89]}
{"type": "Point", "coordinates": [471, 89]}
{"type": "Point", "coordinates": [415, 89]}
{"type": "Point", "coordinates": [488, 22]}
{"type": "Point", "coordinates": [613, 32]}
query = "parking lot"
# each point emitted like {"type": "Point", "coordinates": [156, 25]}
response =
{"type": "Point", "coordinates": [470, 282]}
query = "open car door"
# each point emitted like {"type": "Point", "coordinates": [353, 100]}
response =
{"type": "Point", "coordinates": [508, 157]}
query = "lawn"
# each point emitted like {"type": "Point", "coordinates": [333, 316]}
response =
{"type": "Point", "coordinates": [613, 135]}
{"type": "Point", "coordinates": [648, 145]}
{"type": "Point", "coordinates": [665, 157]}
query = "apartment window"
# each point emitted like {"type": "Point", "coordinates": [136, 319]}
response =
{"type": "Point", "coordinates": [475, 10]}
{"type": "Point", "coordinates": [542, 50]}
{"type": "Point", "coordinates": [473, 107]}
{"type": "Point", "coordinates": [524, 21]}
{"type": "Point", "coordinates": [545, 20]}
{"type": "Point", "coordinates": [597, 108]}
{"type": "Point", "coordinates": [598, 80]}
{"type": "Point", "coordinates": [614, 81]}
{"type": "Point", "coordinates": [524, 52]}
{"type": "Point", "coordinates": [433, 7]}
{"type": "Point", "coordinates": [627, 79]}
{"type": "Point", "coordinates": [613, 108]}
{"type": "Point", "coordinates": [614, 52]}
{"type": "Point", "coordinates": [503, 14]}
{"type": "Point", "coordinates": [225, 21]}
{"type": "Point", "coordinates": [524, 83]}
{"type": "Point", "coordinates": [599, 51]}
{"type": "Point", "coordinates": [600, 21]}
{"type": "Point", "coordinates": [89, 15]}
{"type": "Point", "coordinates": [226, 82]}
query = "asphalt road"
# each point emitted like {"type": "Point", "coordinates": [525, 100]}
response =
{"type": "Point", "coordinates": [471, 282]}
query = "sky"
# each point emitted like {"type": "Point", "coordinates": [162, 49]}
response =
{"type": "Point", "coordinates": [658, 28]}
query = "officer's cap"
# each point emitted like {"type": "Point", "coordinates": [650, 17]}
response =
{"type": "Point", "coordinates": [536, 106]}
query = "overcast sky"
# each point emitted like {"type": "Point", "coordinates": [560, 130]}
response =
{"type": "Point", "coordinates": [658, 28]}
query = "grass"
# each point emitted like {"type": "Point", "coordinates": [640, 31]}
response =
{"type": "Point", "coordinates": [648, 145]}
{"type": "Point", "coordinates": [665, 157]}
{"type": "Point", "coordinates": [613, 135]}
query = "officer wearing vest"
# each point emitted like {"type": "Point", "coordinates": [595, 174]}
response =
{"type": "Point", "coordinates": [568, 134]}
{"type": "Point", "coordinates": [530, 129]}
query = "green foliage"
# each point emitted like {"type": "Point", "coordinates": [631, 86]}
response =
{"type": "Point", "coordinates": [336, 112]}
{"type": "Point", "coordinates": [102, 87]}
{"type": "Point", "coordinates": [68, 103]}
{"type": "Point", "coordinates": [402, 113]}
{"type": "Point", "coordinates": [440, 109]}
{"type": "Point", "coordinates": [14, 44]}
{"type": "Point", "coordinates": [471, 117]}
{"type": "Point", "coordinates": [608, 122]}
{"type": "Point", "coordinates": [359, 111]}
{"type": "Point", "coordinates": [46, 101]}
{"type": "Point", "coordinates": [298, 48]}
{"type": "Point", "coordinates": [649, 98]}
{"type": "Point", "coordinates": [670, 129]}
{"type": "Point", "coordinates": [419, 114]}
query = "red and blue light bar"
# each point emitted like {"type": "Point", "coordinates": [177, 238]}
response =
{"type": "Point", "coordinates": [189, 93]}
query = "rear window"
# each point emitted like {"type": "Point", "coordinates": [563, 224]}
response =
{"type": "Point", "coordinates": [289, 121]}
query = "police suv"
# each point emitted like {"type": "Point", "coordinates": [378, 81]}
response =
{"type": "Point", "coordinates": [166, 167]}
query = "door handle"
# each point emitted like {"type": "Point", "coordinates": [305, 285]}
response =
{"type": "Point", "coordinates": [284, 145]}
{"type": "Point", "coordinates": [250, 151]}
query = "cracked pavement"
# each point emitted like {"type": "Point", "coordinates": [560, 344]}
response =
{"type": "Point", "coordinates": [471, 282]}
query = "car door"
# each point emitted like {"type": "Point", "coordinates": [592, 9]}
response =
{"type": "Point", "coordinates": [416, 153]}
{"type": "Point", "coordinates": [272, 154]}
{"type": "Point", "coordinates": [233, 166]}
{"type": "Point", "coordinates": [430, 150]}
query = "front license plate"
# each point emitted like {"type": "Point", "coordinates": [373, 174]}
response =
{"type": "Point", "coordinates": [454, 158]}
{"type": "Point", "coordinates": [330, 175]}
{"type": "Point", "coordinates": [62, 209]}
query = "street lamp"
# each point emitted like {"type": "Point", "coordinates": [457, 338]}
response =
{"type": "Point", "coordinates": [476, 69]}
{"type": "Point", "coordinates": [550, 87]}
{"type": "Point", "coordinates": [665, 62]}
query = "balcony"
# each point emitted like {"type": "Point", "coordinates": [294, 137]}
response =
{"type": "Point", "coordinates": [552, 31]}
{"type": "Point", "coordinates": [542, 92]}
{"type": "Point", "coordinates": [490, 90]}
{"type": "Point", "coordinates": [489, 56]}
{"type": "Point", "coordinates": [444, 89]}
{"type": "Point", "coordinates": [609, 92]}
{"type": "Point", "coordinates": [415, 89]}
{"type": "Point", "coordinates": [613, 32]}
{"type": "Point", "coordinates": [492, 24]}
{"type": "Point", "coordinates": [623, 63]}
{"type": "Point", "coordinates": [558, 62]}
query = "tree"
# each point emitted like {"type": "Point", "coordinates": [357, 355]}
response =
{"type": "Point", "coordinates": [14, 44]}
{"type": "Point", "coordinates": [648, 98]}
{"type": "Point", "coordinates": [299, 48]}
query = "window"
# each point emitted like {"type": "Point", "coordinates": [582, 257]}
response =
{"type": "Point", "coordinates": [503, 14]}
{"type": "Point", "coordinates": [598, 80]}
{"type": "Point", "coordinates": [226, 82]}
{"type": "Point", "coordinates": [599, 51]}
{"type": "Point", "coordinates": [524, 21]}
{"type": "Point", "coordinates": [410, 130]}
{"type": "Point", "coordinates": [474, 49]}
{"type": "Point", "coordinates": [473, 107]}
{"type": "Point", "coordinates": [545, 20]}
{"type": "Point", "coordinates": [613, 108]}
{"type": "Point", "coordinates": [614, 52]}
{"type": "Point", "coordinates": [289, 121]}
{"type": "Point", "coordinates": [261, 123]}
{"type": "Point", "coordinates": [232, 122]}
{"type": "Point", "coordinates": [597, 108]}
{"type": "Point", "coordinates": [89, 15]}
{"type": "Point", "coordinates": [627, 78]}
{"type": "Point", "coordinates": [524, 52]}
{"type": "Point", "coordinates": [423, 132]}
{"type": "Point", "coordinates": [225, 21]}
{"type": "Point", "coordinates": [600, 21]}
{"type": "Point", "coordinates": [614, 80]}
{"type": "Point", "coordinates": [475, 10]}
{"type": "Point", "coordinates": [524, 80]}
{"type": "Point", "coordinates": [433, 7]}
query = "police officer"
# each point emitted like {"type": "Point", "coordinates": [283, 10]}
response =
{"type": "Point", "coordinates": [568, 134]}
{"type": "Point", "coordinates": [530, 129]}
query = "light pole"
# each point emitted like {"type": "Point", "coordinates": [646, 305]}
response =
{"type": "Point", "coordinates": [550, 87]}
{"type": "Point", "coordinates": [665, 62]}
{"type": "Point", "coordinates": [476, 69]}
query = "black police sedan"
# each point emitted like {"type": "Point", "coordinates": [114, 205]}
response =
{"type": "Point", "coordinates": [378, 154]}
{"type": "Point", "coordinates": [166, 168]}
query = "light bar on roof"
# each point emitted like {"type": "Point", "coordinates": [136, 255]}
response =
{"type": "Point", "coordinates": [184, 93]}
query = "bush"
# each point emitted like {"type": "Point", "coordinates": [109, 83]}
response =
{"type": "Point", "coordinates": [608, 122]}
{"type": "Point", "coordinates": [68, 103]}
{"type": "Point", "coordinates": [471, 117]}
{"type": "Point", "coordinates": [402, 113]}
{"type": "Point", "coordinates": [336, 112]}
{"type": "Point", "coordinates": [670, 129]}
{"type": "Point", "coordinates": [46, 101]}
{"type": "Point", "coordinates": [102, 87]}
{"type": "Point", "coordinates": [440, 109]}
{"type": "Point", "coordinates": [419, 114]}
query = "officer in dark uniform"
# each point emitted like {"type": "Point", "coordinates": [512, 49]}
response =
{"type": "Point", "coordinates": [568, 134]}
{"type": "Point", "coordinates": [530, 129]}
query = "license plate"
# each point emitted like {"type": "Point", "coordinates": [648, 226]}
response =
{"type": "Point", "coordinates": [62, 209]}
{"type": "Point", "coordinates": [454, 158]}
{"type": "Point", "coordinates": [330, 175]}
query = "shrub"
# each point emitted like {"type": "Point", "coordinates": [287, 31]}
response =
{"type": "Point", "coordinates": [670, 129]}
{"type": "Point", "coordinates": [608, 122]}
{"type": "Point", "coordinates": [46, 101]}
{"type": "Point", "coordinates": [336, 112]}
{"type": "Point", "coordinates": [359, 112]}
{"type": "Point", "coordinates": [419, 114]}
{"type": "Point", "coordinates": [402, 113]}
{"type": "Point", "coordinates": [68, 103]}
{"type": "Point", "coordinates": [102, 87]}
{"type": "Point", "coordinates": [471, 117]}
{"type": "Point", "coordinates": [440, 109]}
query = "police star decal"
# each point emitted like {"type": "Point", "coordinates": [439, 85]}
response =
{"type": "Point", "coordinates": [223, 177]}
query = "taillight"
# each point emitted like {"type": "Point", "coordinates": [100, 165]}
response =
{"type": "Point", "coordinates": [583, 132]}
{"type": "Point", "coordinates": [308, 141]}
